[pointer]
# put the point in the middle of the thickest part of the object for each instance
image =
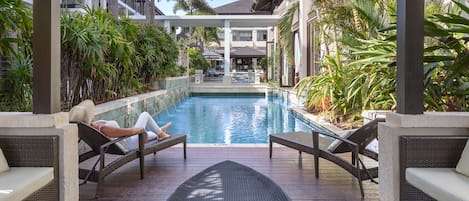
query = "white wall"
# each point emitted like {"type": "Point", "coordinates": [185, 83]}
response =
{"type": "Point", "coordinates": [252, 43]}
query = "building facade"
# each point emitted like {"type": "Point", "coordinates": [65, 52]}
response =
{"type": "Point", "coordinates": [304, 34]}
{"type": "Point", "coordinates": [248, 45]}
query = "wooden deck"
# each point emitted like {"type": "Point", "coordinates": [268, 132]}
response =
{"type": "Point", "coordinates": [167, 170]}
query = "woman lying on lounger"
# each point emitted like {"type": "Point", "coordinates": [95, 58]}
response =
{"type": "Point", "coordinates": [85, 112]}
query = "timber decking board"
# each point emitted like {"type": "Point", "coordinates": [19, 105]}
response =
{"type": "Point", "coordinates": [166, 170]}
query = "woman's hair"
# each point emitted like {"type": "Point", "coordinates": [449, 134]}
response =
{"type": "Point", "coordinates": [82, 112]}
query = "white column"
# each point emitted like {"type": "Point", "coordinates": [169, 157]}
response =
{"type": "Point", "coordinates": [227, 77]}
{"type": "Point", "coordinates": [167, 26]}
{"type": "Point", "coordinates": [126, 12]}
{"type": "Point", "coordinates": [276, 63]}
{"type": "Point", "coordinates": [305, 8]}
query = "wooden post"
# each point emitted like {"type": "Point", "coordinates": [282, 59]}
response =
{"type": "Point", "coordinates": [410, 76]}
{"type": "Point", "coordinates": [46, 55]}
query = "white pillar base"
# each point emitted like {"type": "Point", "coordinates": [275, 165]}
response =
{"type": "Point", "coordinates": [25, 123]}
{"type": "Point", "coordinates": [227, 79]}
{"type": "Point", "coordinates": [250, 76]}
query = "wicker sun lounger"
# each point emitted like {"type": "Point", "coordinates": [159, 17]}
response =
{"type": "Point", "coordinates": [101, 145]}
{"type": "Point", "coordinates": [328, 147]}
{"type": "Point", "coordinates": [34, 151]}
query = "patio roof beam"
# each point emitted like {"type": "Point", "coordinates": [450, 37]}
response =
{"type": "Point", "coordinates": [46, 56]}
{"type": "Point", "coordinates": [410, 76]}
{"type": "Point", "coordinates": [214, 20]}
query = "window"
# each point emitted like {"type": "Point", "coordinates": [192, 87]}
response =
{"type": "Point", "coordinates": [234, 36]}
{"type": "Point", "coordinates": [261, 35]}
{"type": "Point", "coordinates": [245, 36]}
{"type": "Point", "coordinates": [221, 35]}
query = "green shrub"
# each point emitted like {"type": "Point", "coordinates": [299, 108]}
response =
{"type": "Point", "coordinates": [196, 59]}
{"type": "Point", "coordinates": [15, 85]}
{"type": "Point", "coordinates": [102, 58]}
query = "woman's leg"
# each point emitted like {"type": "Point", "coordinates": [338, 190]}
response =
{"type": "Point", "coordinates": [146, 121]}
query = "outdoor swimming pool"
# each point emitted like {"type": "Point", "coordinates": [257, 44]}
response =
{"type": "Point", "coordinates": [231, 119]}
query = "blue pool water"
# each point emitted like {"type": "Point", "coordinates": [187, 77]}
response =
{"type": "Point", "coordinates": [231, 119]}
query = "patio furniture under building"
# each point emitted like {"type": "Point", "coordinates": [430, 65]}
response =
{"type": "Point", "coordinates": [244, 58]}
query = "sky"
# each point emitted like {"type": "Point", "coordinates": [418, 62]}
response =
{"type": "Point", "coordinates": [167, 5]}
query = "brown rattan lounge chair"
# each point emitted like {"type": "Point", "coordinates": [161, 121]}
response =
{"type": "Point", "coordinates": [329, 146]}
{"type": "Point", "coordinates": [443, 151]}
{"type": "Point", "coordinates": [101, 145]}
{"type": "Point", "coordinates": [34, 151]}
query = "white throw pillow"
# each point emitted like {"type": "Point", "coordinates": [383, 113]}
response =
{"type": "Point", "coordinates": [463, 164]}
{"type": "Point", "coordinates": [336, 143]}
{"type": "Point", "coordinates": [373, 146]}
{"type": "Point", "coordinates": [3, 162]}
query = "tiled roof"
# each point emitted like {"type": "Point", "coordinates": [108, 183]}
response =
{"type": "Point", "coordinates": [266, 5]}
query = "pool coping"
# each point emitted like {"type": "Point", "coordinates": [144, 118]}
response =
{"type": "Point", "coordinates": [317, 119]}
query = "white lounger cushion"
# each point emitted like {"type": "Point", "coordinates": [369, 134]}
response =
{"type": "Point", "coordinates": [440, 183]}
{"type": "Point", "coordinates": [463, 164]}
{"type": "Point", "coordinates": [3, 162]}
{"type": "Point", "coordinates": [19, 182]}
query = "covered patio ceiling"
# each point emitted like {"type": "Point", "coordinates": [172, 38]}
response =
{"type": "Point", "coordinates": [46, 48]}
{"type": "Point", "coordinates": [214, 20]}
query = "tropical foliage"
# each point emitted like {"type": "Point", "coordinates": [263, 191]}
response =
{"type": "Point", "coordinates": [359, 66]}
{"type": "Point", "coordinates": [201, 35]}
{"type": "Point", "coordinates": [15, 51]}
{"type": "Point", "coordinates": [102, 58]}
{"type": "Point", "coordinates": [196, 59]}
{"type": "Point", "coordinates": [285, 26]}
{"type": "Point", "coordinates": [193, 7]}
{"type": "Point", "coordinates": [447, 60]}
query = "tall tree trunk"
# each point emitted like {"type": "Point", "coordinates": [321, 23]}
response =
{"type": "Point", "coordinates": [326, 45]}
{"type": "Point", "coordinates": [150, 11]}
{"type": "Point", "coordinates": [113, 6]}
{"type": "Point", "coordinates": [356, 20]}
{"type": "Point", "coordinates": [337, 50]}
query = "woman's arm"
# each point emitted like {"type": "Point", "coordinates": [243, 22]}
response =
{"type": "Point", "coordinates": [114, 132]}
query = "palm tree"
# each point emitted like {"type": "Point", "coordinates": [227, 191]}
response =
{"type": "Point", "coordinates": [194, 7]}
{"type": "Point", "coordinates": [198, 7]}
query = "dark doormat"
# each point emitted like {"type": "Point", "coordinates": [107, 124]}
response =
{"type": "Point", "coordinates": [229, 181]}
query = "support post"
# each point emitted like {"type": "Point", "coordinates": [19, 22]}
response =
{"type": "Point", "coordinates": [46, 55]}
{"type": "Point", "coordinates": [167, 26]}
{"type": "Point", "coordinates": [410, 77]}
{"type": "Point", "coordinates": [227, 77]}
{"type": "Point", "coordinates": [409, 119]}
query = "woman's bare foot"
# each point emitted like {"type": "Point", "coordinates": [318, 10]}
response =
{"type": "Point", "coordinates": [166, 126]}
{"type": "Point", "coordinates": [163, 136]}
